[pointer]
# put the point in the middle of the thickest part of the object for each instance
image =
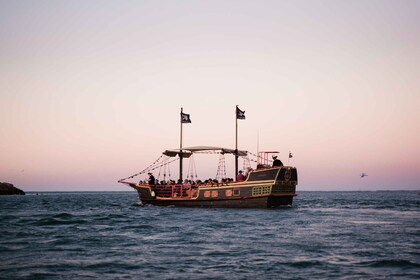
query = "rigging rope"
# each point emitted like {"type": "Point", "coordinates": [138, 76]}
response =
{"type": "Point", "coordinates": [163, 164]}
{"type": "Point", "coordinates": [156, 164]}
{"type": "Point", "coordinates": [151, 167]}
{"type": "Point", "coordinates": [246, 163]}
{"type": "Point", "coordinates": [191, 168]}
{"type": "Point", "coordinates": [221, 169]}
{"type": "Point", "coordinates": [256, 161]}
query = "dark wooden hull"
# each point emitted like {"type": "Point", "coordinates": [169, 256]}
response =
{"type": "Point", "coordinates": [253, 202]}
{"type": "Point", "coordinates": [267, 188]}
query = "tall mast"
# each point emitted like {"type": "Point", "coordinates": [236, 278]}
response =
{"type": "Point", "coordinates": [180, 151]}
{"type": "Point", "coordinates": [236, 142]}
{"type": "Point", "coordinates": [239, 115]}
{"type": "Point", "coordinates": [185, 118]}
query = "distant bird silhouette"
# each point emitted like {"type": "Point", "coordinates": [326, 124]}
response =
{"type": "Point", "coordinates": [363, 175]}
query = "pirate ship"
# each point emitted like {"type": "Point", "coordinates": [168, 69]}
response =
{"type": "Point", "coordinates": [270, 184]}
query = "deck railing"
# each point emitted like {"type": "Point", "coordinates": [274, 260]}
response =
{"type": "Point", "coordinates": [176, 191]}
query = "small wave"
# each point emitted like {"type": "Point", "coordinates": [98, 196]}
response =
{"type": "Point", "coordinates": [138, 204]}
{"type": "Point", "coordinates": [392, 263]}
{"type": "Point", "coordinates": [63, 216]}
{"type": "Point", "coordinates": [54, 222]}
{"type": "Point", "coordinates": [214, 253]}
{"type": "Point", "coordinates": [305, 264]}
{"type": "Point", "coordinates": [372, 222]}
{"type": "Point", "coordinates": [138, 226]}
{"type": "Point", "coordinates": [111, 217]}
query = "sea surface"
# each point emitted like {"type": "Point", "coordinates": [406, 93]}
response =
{"type": "Point", "coordinates": [107, 235]}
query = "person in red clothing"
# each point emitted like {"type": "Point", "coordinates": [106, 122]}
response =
{"type": "Point", "coordinates": [240, 176]}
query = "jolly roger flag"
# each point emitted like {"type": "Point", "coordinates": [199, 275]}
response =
{"type": "Point", "coordinates": [240, 114]}
{"type": "Point", "coordinates": [185, 118]}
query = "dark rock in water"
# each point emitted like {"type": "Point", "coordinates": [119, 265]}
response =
{"type": "Point", "coordinates": [9, 189]}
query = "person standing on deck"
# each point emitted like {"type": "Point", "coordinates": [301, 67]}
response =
{"type": "Point", "coordinates": [151, 178]}
{"type": "Point", "coordinates": [277, 162]}
{"type": "Point", "coordinates": [240, 177]}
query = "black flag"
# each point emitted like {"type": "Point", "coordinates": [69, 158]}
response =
{"type": "Point", "coordinates": [185, 118]}
{"type": "Point", "coordinates": [240, 114]}
{"type": "Point", "coordinates": [290, 155]}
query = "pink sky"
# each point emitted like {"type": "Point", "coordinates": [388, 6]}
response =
{"type": "Point", "coordinates": [90, 92]}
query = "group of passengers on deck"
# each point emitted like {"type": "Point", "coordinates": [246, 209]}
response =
{"type": "Point", "coordinates": [212, 182]}
{"type": "Point", "coordinates": [209, 181]}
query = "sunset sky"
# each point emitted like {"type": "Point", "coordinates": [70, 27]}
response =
{"type": "Point", "coordinates": [91, 91]}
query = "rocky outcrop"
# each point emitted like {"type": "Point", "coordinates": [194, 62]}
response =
{"type": "Point", "coordinates": [9, 189]}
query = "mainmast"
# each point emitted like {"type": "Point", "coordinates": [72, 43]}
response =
{"type": "Point", "coordinates": [241, 116]}
{"type": "Point", "coordinates": [180, 149]}
{"type": "Point", "coordinates": [185, 118]}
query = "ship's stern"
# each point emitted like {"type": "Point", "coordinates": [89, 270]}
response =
{"type": "Point", "coordinates": [284, 188]}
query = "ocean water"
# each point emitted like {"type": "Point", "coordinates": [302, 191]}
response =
{"type": "Point", "coordinates": [325, 235]}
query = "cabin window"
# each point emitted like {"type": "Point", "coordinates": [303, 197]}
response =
{"type": "Point", "coordinates": [261, 190]}
{"type": "Point", "coordinates": [214, 194]}
{"type": "Point", "coordinates": [207, 194]}
{"type": "Point", "coordinates": [236, 192]}
{"type": "Point", "coordinates": [228, 192]}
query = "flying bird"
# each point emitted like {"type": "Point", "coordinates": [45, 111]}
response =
{"type": "Point", "coordinates": [363, 175]}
